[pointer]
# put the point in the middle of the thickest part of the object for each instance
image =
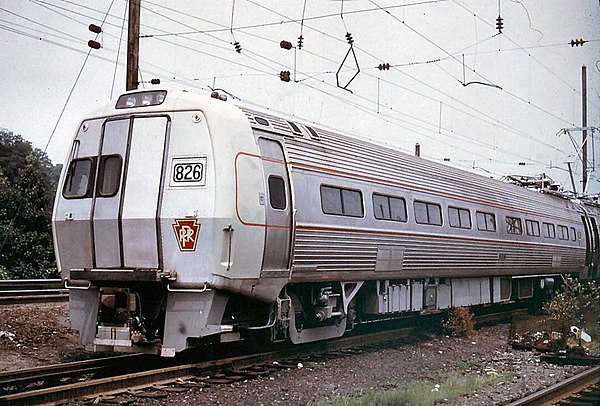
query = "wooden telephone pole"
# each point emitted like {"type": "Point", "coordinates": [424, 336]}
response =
{"type": "Point", "coordinates": [133, 45]}
{"type": "Point", "coordinates": [584, 125]}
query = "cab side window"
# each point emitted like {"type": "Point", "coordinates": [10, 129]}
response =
{"type": "Point", "coordinates": [80, 178]}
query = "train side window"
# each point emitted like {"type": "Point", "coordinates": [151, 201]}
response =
{"type": "Point", "coordinates": [277, 196]}
{"type": "Point", "coordinates": [573, 234]}
{"type": "Point", "coordinates": [343, 202]}
{"type": "Point", "coordinates": [459, 218]}
{"type": "Point", "coordinates": [513, 225]}
{"type": "Point", "coordinates": [485, 221]}
{"type": "Point", "coordinates": [428, 213]}
{"type": "Point", "coordinates": [109, 175]}
{"type": "Point", "coordinates": [563, 232]}
{"type": "Point", "coordinates": [532, 227]}
{"type": "Point", "coordinates": [549, 230]}
{"type": "Point", "coordinates": [352, 203]}
{"type": "Point", "coordinates": [389, 208]}
{"type": "Point", "coordinates": [80, 178]}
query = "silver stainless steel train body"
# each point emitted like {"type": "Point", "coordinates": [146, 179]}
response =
{"type": "Point", "coordinates": [181, 218]}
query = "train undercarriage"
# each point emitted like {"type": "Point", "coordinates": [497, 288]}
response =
{"type": "Point", "coordinates": [153, 318]}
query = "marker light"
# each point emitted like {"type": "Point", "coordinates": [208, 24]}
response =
{"type": "Point", "coordinates": [141, 99]}
{"type": "Point", "coordinates": [147, 99]}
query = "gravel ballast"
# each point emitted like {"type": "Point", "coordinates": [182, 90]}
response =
{"type": "Point", "coordinates": [39, 336]}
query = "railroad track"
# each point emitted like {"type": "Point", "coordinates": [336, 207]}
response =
{"type": "Point", "coordinates": [581, 390]}
{"type": "Point", "coordinates": [64, 382]}
{"type": "Point", "coordinates": [32, 291]}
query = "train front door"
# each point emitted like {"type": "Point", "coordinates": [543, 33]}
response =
{"type": "Point", "coordinates": [278, 208]}
{"type": "Point", "coordinates": [127, 198]}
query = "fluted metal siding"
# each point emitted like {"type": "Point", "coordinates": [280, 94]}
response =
{"type": "Point", "coordinates": [329, 252]}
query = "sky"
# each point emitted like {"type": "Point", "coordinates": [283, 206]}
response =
{"type": "Point", "coordinates": [490, 102]}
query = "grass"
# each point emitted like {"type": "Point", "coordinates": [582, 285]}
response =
{"type": "Point", "coordinates": [447, 387]}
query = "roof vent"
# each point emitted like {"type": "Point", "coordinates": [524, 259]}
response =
{"type": "Point", "coordinates": [313, 133]}
{"type": "Point", "coordinates": [261, 121]}
{"type": "Point", "coordinates": [295, 129]}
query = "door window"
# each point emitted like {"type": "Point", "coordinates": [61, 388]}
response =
{"type": "Point", "coordinates": [277, 192]}
{"type": "Point", "coordinates": [109, 175]}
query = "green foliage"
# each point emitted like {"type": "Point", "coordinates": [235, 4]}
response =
{"type": "Point", "coordinates": [577, 303]}
{"type": "Point", "coordinates": [443, 388]}
{"type": "Point", "coordinates": [460, 322]}
{"type": "Point", "coordinates": [27, 185]}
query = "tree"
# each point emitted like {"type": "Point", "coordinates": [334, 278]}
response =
{"type": "Point", "coordinates": [27, 186]}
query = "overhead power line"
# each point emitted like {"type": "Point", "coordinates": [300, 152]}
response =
{"type": "Point", "coordinates": [268, 63]}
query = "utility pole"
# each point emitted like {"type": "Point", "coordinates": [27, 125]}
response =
{"type": "Point", "coordinates": [133, 45]}
{"type": "Point", "coordinates": [584, 125]}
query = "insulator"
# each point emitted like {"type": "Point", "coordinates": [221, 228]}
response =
{"type": "Point", "coordinates": [349, 38]}
{"type": "Point", "coordinates": [521, 163]}
{"type": "Point", "coordinates": [285, 45]}
{"type": "Point", "coordinates": [95, 29]}
{"type": "Point", "coordinates": [499, 23]}
{"type": "Point", "coordinates": [577, 42]}
{"type": "Point", "coordinates": [446, 159]}
{"type": "Point", "coordinates": [284, 75]}
{"type": "Point", "coordinates": [238, 47]}
{"type": "Point", "coordinates": [384, 66]}
{"type": "Point", "coordinates": [300, 42]}
{"type": "Point", "coordinates": [94, 44]}
{"type": "Point", "coordinates": [155, 81]}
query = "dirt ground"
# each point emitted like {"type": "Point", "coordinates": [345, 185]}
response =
{"type": "Point", "coordinates": [36, 334]}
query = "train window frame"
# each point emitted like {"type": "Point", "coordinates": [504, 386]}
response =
{"type": "Point", "coordinates": [573, 234]}
{"type": "Point", "coordinates": [563, 232]}
{"type": "Point", "coordinates": [547, 228]}
{"type": "Point", "coordinates": [514, 225]}
{"type": "Point", "coordinates": [344, 195]}
{"type": "Point", "coordinates": [102, 176]}
{"type": "Point", "coordinates": [89, 184]}
{"type": "Point", "coordinates": [532, 228]}
{"type": "Point", "coordinates": [390, 208]}
{"type": "Point", "coordinates": [277, 190]}
{"type": "Point", "coordinates": [484, 220]}
{"type": "Point", "coordinates": [459, 217]}
{"type": "Point", "coordinates": [428, 206]}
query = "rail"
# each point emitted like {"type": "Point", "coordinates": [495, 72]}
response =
{"type": "Point", "coordinates": [32, 291]}
{"type": "Point", "coordinates": [561, 391]}
{"type": "Point", "coordinates": [47, 384]}
{"type": "Point", "coordinates": [65, 382]}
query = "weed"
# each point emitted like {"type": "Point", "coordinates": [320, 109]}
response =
{"type": "Point", "coordinates": [449, 386]}
{"type": "Point", "coordinates": [460, 322]}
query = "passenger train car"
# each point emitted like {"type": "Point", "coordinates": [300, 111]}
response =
{"type": "Point", "coordinates": [181, 219]}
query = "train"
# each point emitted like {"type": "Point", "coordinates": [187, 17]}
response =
{"type": "Point", "coordinates": [182, 219]}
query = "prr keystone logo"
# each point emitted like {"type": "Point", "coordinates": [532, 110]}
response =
{"type": "Point", "coordinates": [187, 232]}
